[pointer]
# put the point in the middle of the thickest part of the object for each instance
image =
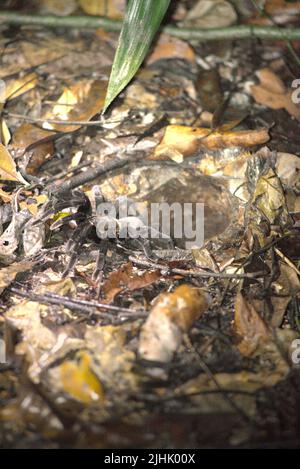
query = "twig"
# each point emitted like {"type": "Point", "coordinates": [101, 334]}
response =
{"type": "Point", "coordinates": [193, 273]}
{"type": "Point", "coordinates": [41, 120]}
{"type": "Point", "coordinates": [290, 46]}
{"type": "Point", "coordinates": [77, 304]}
{"type": "Point", "coordinates": [88, 22]}
{"type": "Point", "coordinates": [93, 173]}
{"type": "Point", "coordinates": [212, 377]}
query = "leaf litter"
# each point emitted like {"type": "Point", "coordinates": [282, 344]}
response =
{"type": "Point", "coordinates": [108, 340]}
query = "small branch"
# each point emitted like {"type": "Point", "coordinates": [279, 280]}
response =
{"type": "Point", "coordinates": [83, 306]}
{"type": "Point", "coordinates": [91, 22]}
{"type": "Point", "coordinates": [193, 273]}
{"type": "Point", "coordinates": [93, 173]}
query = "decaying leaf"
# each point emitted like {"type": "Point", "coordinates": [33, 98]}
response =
{"type": "Point", "coordinates": [33, 203]}
{"type": "Point", "coordinates": [113, 9]}
{"type": "Point", "coordinates": [8, 170]}
{"type": "Point", "coordinates": [211, 14]}
{"type": "Point", "coordinates": [126, 278]}
{"type": "Point", "coordinates": [209, 89]}
{"type": "Point", "coordinates": [12, 236]}
{"type": "Point", "coordinates": [186, 141]}
{"type": "Point", "coordinates": [272, 346]}
{"type": "Point", "coordinates": [250, 327]}
{"type": "Point", "coordinates": [36, 338]}
{"type": "Point", "coordinates": [9, 273]}
{"type": "Point", "coordinates": [267, 206]}
{"type": "Point", "coordinates": [15, 88]}
{"type": "Point", "coordinates": [172, 315]}
{"type": "Point", "coordinates": [56, 7]}
{"type": "Point", "coordinates": [269, 198]}
{"type": "Point", "coordinates": [4, 132]}
{"type": "Point", "coordinates": [271, 92]}
{"type": "Point", "coordinates": [79, 102]}
{"type": "Point", "coordinates": [78, 379]}
{"type": "Point", "coordinates": [210, 398]}
{"type": "Point", "coordinates": [286, 287]}
{"type": "Point", "coordinates": [98, 371]}
{"type": "Point", "coordinates": [29, 134]}
{"type": "Point", "coordinates": [168, 47]}
{"type": "Point", "coordinates": [33, 239]}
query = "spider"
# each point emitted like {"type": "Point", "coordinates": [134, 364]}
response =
{"type": "Point", "coordinates": [95, 214]}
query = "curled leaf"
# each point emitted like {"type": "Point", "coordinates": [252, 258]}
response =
{"type": "Point", "coordinates": [172, 315]}
{"type": "Point", "coordinates": [8, 170]}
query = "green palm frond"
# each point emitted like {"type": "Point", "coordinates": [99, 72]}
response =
{"type": "Point", "coordinates": [141, 22]}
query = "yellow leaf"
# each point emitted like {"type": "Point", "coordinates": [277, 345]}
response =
{"type": "Point", "coordinates": [8, 170]}
{"type": "Point", "coordinates": [35, 203]}
{"type": "Point", "coordinates": [15, 88]}
{"type": "Point", "coordinates": [79, 381]}
{"type": "Point", "coordinates": [79, 102]}
{"type": "Point", "coordinates": [9, 273]}
{"type": "Point", "coordinates": [5, 133]}
{"type": "Point", "coordinates": [113, 9]}
{"type": "Point", "coordinates": [188, 140]}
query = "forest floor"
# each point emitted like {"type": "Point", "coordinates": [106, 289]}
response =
{"type": "Point", "coordinates": [128, 342]}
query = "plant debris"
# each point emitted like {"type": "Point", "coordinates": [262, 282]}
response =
{"type": "Point", "coordinates": [117, 329]}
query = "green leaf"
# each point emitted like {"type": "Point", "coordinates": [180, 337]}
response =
{"type": "Point", "coordinates": [141, 22]}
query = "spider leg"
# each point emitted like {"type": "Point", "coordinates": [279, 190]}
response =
{"type": "Point", "coordinates": [78, 238]}
{"type": "Point", "coordinates": [76, 199]}
{"type": "Point", "coordinates": [147, 249]}
{"type": "Point", "coordinates": [101, 259]}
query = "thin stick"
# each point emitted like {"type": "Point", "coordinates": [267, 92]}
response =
{"type": "Point", "coordinates": [87, 22]}
{"type": "Point", "coordinates": [194, 273]}
{"type": "Point", "coordinates": [93, 173]}
{"type": "Point", "coordinates": [77, 304]}
{"type": "Point", "coordinates": [40, 120]}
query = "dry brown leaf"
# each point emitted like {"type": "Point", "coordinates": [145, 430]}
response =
{"type": "Point", "coordinates": [57, 7]}
{"type": "Point", "coordinates": [209, 89]}
{"type": "Point", "coordinates": [113, 9]}
{"type": "Point", "coordinates": [211, 14]}
{"type": "Point", "coordinates": [186, 141]}
{"type": "Point", "coordinates": [19, 86]}
{"type": "Point", "coordinates": [172, 315]}
{"type": "Point", "coordinates": [79, 102]}
{"type": "Point", "coordinates": [8, 170]}
{"type": "Point", "coordinates": [33, 203]}
{"type": "Point", "coordinates": [37, 53]}
{"type": "Point", "coordinates": [126, 278]}
{"type": "Point", "coordinates": [286, 287]}
{"type": "Point", "coordinates": [5, 196]}
{"type": "Point", "coordinates": [271, 92]}
{"type": "Point", "coordinates": [269, 198]}
{"type": "Point", "coordinates": [168, 47]}
{"type": "Point", "coordinates": [202, 391]}
{"type": "Point", "coordinates": [288, 168]}
{"type": "Point", "coordinates": [9, 273]}
{"type": "Point", "coordinates": [5, 133]}
{"type": "Point", "coordinates": [281, 11]}
{"type": "Point", "coordinates": [249, 326]}
{"type": "Point", "coordinates": [28, 134]}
